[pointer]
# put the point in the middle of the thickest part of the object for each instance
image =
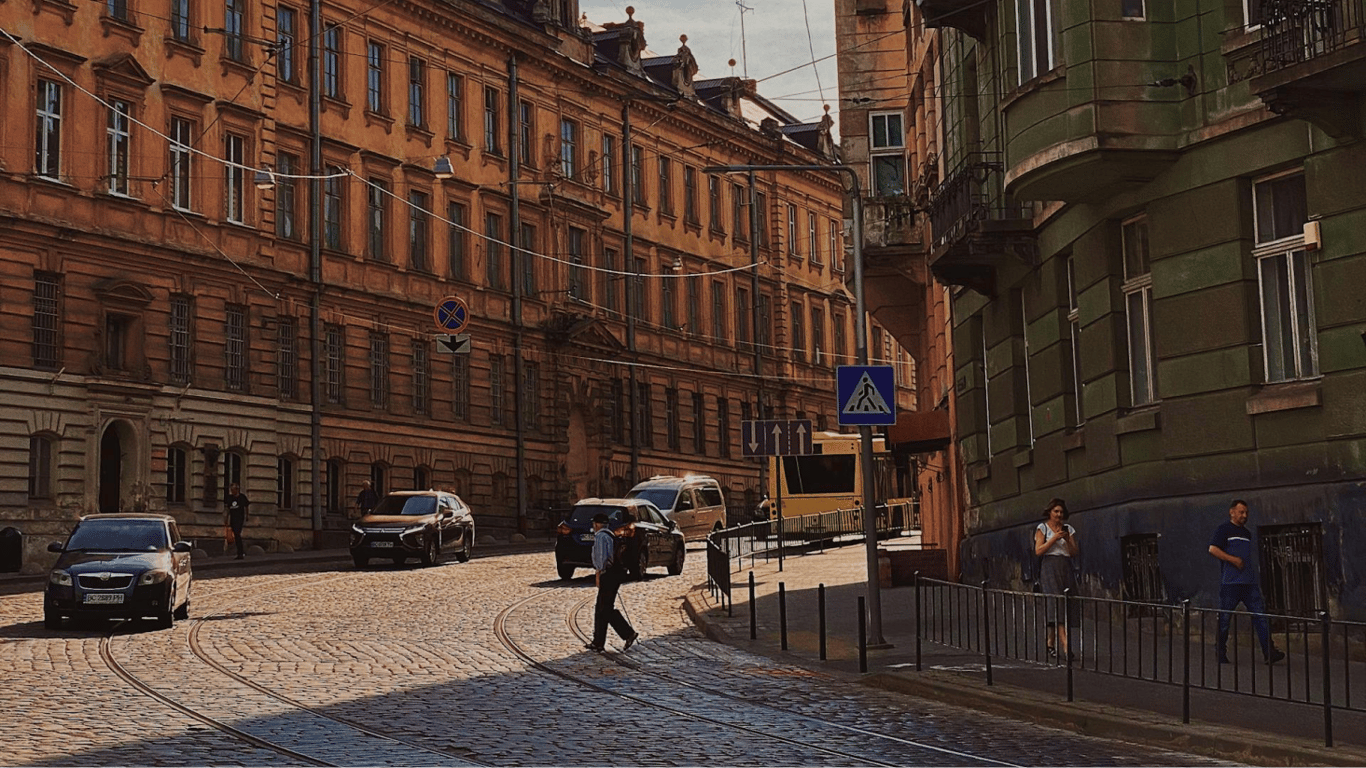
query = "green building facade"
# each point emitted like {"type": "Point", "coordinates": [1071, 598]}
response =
{"type": "Point", "coordinates": [1153, 217]}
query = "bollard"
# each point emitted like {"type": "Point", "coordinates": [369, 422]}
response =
{"type": "Point", "coordinates": [753, 611]}
{"type": "Point", "coordinates": [820, 601]}
{"type": "Point", "coordinates": [918, 667]}
{"type": "Point", "coordinates": [986, 630]}
{"type": "Point", "coordinates": [862, 636]}
{"type": "Point", "coordinates": [1327, 653]}
{"type": "Point", "coordinates": [1186, 661]}
{"type": "Point", "coordinates": [782, 613]}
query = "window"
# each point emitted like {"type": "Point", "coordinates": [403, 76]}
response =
{"type": "Point", "coordinates": [742, 316]}
{"type": "Point", "coordinates": [120, 137]}
{"type": "Point", "coordinates": [118, 332]}
{"type": "Point", "coordinates": [718, 312]}
{"type": "Point", "coordinates": [887, 153]}
{"type": "Point", "coordinates": [458, 242]}
{"type": "Point", "coordinates": [492, 143]}
{"type": "Point", "coordinates": [493, 228]}
{"type": "Point", "coordinates": [419, 231]}
{"type": "Point", "coordinates": [422, 377]}
{"type": "Point", "coordinates": [668, 310]}
{"type": "Point", "coordinates": [638, 290]}
{"type": "Point", "coordinates": [690, 194]}
{"type": "Point", "coordinates": [671, 418]}
{"type": "Point", "coordinates": [284, 483]}
{"type": "Point", "coordinates": [1291, 558]}
{"type": "Point", "coordinates": [234, 178]}
{"type": "Point", "coordinates": [723, 426]}
{"type": "Point", "coordinates": [1289, 343]}
{"type": "Point", "coordinates": [609, 261]}
{"type": "Point", "coordinates": [609, 164]}
{"type": "Point", "coordinates": [699, 423]}
{"type": "Point", "coordinates": [617, 407]}
{"type": "Point", "coordinates": [182, 138]}
{"type": "Point", "coordinates": [798, 333]}
{"type": "Point", "coordinates": [422, 477]}
{"type": "Point", "coordinates": [1253, 12]}
{"type": "Point", "coordinates": [417, 85]}
{"type": "Point", "coordinates": [1131, 9]}
{"type": "Point", "coordinates": [48, 162]}
{"type": "Point", "coordinates": [1074, 333]}
{"type": "Point", "coordinates": [739, 204]}
{"type": "Point", "coordinates": [333, 205]}
{"type": "Point", "coordinates": [179, 341]}
{"type": "Point", "coordinates": [284, 45]}
{"type": "Point", "coordinates": [117, 9]}
{"type": "Point", "coordinates": [379, 371]}
{"type": "Point", "coordinates": [818, 337]}
{"type": "Point", "coordinates": [839, 349]}
{"type": "Point", "coordinates": [765, 330]}
{"type": "Point", "coordinates": [714, 197]}
{"type": "Point", "coordinates": [666, 186]}
{"type": "Point", "coordinates": [335, 341]}
{"type": "Point", "coordinates": [40, 467]}
{"type": "Point", "coordinates": [335, 482]}
{"type": "Point", "coordinates": [180, 20]}
{"type": "Point", "coordinates": [287, 358]}
{"type": "Point", "coordinates": [234, 13]}
{"type": "Point", "coordinates": [232, 471]}
{"type": "Point", "coordinates": [496, 389]}
{"type": "Point", "coordinates": [832, 238]}
{"type": "Point", "coordinates": [637, 174]}
{"type": "Point", "coordinates": [286, 223]}
{"type": "Point", "coordinates": [812, 241]}
{"type": "Point", "coordinates": [332, 62]}
{"type": "Point", "coordinates": [374, 77]}
{"type": "Point", "coordinates": [531, 395]}
{"type": "Point", "coordinates": [46, 320]}
{"type": "Point", "coordinates": [577, 288]}
{"type": "Point", "coordinates": [177, 474]}
{"type": "Point", "coordinates": [527, 242]}
{"type": "Point", "coordinates": [793, 244]}
{"type": "Point", "coordinates": [1138, 297]}
{"type": "Point", "coordinates": [379, 478]}
{"type": "Point", "coordinates": [455, 107]}
{"type": "Point", "coordinates": [460, 387]}
{"type": "Point", "coordinates": [644, 421]}
{"type": "Point", "coordinates": [694, 307]}
{"type": "Point", "coordinates": [569, 149]}
{"type": "Point", "coordinates": [235, 348]}
{"type": "Point", "coordinates": [526, 133]}
{"type": "Point", "coordinates": [1140, 569]}
{"type": "Point", "coordinates": [377, 217]}
{"type": "Point", "coordinates": [1035, 37]}
{"type": "Point", "coordinates": [761, 212]}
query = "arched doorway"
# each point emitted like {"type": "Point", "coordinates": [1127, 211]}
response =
{"type": "Point", "coordinates": [116, 466]}
{"type": "Point", "coordinates": [580, 459]}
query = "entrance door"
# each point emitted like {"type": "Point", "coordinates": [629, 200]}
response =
{"type": "Point", "coordinates": [111, 469]}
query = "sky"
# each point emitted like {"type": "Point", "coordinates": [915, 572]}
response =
{"type": "Point", "coordinates": [775, 40]}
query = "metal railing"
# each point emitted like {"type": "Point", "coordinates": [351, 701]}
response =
{"type": "Point", "coordinates": [1324, 661]}
{"type": "Point", "coordinates": [974, 192]}
{"type": "Point", "coordinates": [1296, 31]}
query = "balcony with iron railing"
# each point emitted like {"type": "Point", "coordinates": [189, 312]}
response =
{"type": "Point", "coordinates": [1311, 62]}
{"type": "Point", "coordinates": [976, 230]}
{"type": "Point", "coordinates": [968, 16]}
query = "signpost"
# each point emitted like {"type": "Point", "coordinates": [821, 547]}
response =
{"type": "Point", "coordinates": [761, 438]}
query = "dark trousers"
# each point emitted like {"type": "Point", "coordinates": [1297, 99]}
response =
{"type": "Point", "coordinates": [605, 612]}
{"type": "Point", "coordinates": [1249, 595]}
{"type": "Point", "coordinates": [237, 537]}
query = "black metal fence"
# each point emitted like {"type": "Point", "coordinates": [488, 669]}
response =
{"type": "Point", "coordinates": [1324, 662]}
{"type": "Point", "coordinates": [1295, 31]}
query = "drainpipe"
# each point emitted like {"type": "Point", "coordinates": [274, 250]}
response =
{"type": "Point", "coordinates": [517, 264]}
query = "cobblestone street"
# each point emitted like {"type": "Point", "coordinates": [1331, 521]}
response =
{"type": "Point", "coordinates": [463, 664]}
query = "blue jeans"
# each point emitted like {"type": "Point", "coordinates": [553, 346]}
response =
{"type": "Point", "coordinates": [1249, 595]}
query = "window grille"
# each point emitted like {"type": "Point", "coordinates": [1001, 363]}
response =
{"type": "Point", "coordinates": [1291, 560]}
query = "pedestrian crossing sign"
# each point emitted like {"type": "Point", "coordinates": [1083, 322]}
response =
{"type": "Point", "coordinates": [866, 395]}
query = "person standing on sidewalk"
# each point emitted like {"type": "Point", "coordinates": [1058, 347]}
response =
{"type": "Point", "coordinates": [1232, 546]}
{"type": "Point", "coordinates": [610, 574]}
{"type": "Point", "coordinates": [235, 516]}
{"type": "Point", "coordinates": [367, 498]}
{"type": "Point", "coordinates": [1056, 545]}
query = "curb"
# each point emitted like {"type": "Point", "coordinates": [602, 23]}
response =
{"type": "Point", "coordinates": [1121, 724]}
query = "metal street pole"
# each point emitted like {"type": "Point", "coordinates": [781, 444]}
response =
{"type": "Point", "coordinates": [754, 323]}
{"type": "Point", "coordinates": [315, 265]}
{"type": "Point", "coordinates": [861, 352]}
{"type": "Point", "coordinates": [628, 210]}
{"type": "Point", "coordinates": [518, 263]}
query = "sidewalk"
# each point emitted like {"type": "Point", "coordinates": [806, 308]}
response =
{"type": "Point", "coordinates": [1235, 727]}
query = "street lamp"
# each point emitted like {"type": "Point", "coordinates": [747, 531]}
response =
{"type": "Point", "coordinates": [861, 356]}
{"type": "Point", "coordinates": [443, 169]}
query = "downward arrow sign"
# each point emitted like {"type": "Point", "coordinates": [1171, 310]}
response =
{"type": "Point", "coordinates": [753, 437]}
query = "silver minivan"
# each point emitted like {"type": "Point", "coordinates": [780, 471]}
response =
{"type": "Point", "coordinates": [694, 502]}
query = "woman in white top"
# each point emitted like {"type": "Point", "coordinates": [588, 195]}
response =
{"type": "Point", "coordinates": [1055, 544]}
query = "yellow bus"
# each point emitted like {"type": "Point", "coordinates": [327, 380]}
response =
{"type": "Point", "coordinates": [830, 478]}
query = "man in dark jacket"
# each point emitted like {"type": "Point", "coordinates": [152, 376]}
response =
{"type": "Point", "coordinates": [1232, 546]}
{"type": "Point", "coordinates": [235, 516]}
{"type": "Point", "coordinates": [610, 574]}
{"type": "Point", "coordinates": [367, 499]}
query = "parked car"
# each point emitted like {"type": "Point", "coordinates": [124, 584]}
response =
{"type": "Point", "coordinates": [120, 566]}
{"type": "Point", "coordinates": [421, 524]}
{"type": "Point", "coordinates": [694, 502]}
{"type": "Point", "coordinates": [651, 539]}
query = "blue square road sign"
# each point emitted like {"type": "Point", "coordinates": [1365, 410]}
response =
{"type": "Point", "coordinates": [866, 395]}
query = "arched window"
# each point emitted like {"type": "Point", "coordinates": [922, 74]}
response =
{"type": "Point", "coordinates": [177, 474]}
{"type": "Point", "coordinates": [502, 497]}
{"type": "Point", "coordinates": [335, 483]}
{"type": "Point", "coordinates": [233, 461]}
{"type": "Point", "coordinates": [284, 482]}
{"type": "Point", "coordinates": [422, 478]}
{"type": "Point", "coordinates": [379, 477]}
{"type": "Point", "coordinates": [40, 466]}
{"type": "Point", "coordinates": [463, 485]}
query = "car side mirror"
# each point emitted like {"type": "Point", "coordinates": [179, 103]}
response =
{"type": "Point", "coordinates": [56, 546]}
{"type": "Point", "coordinates": [182, 546]}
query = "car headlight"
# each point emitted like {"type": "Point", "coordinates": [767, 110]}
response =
{"type": "Point", "coordinates": [153, 577]}
{"type": "Point", "coordinates": [60, 578]}
{"type": "Point", "coordinates": [414, 529]}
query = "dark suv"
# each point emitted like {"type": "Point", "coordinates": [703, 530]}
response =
{"type": "Point", "coordinates": [651, 540]}
{"type": "Point", "coordinates": [419, 524]}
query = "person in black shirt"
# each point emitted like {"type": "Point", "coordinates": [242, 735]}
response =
{"type": "Point", "coordinates": [235, 516]}
{"type": "Point", "coordinates": [367, 498]}
{"type": "Point", "coordinates": [1232, 546]}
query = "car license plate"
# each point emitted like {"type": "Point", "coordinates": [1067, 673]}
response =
{"type": "Point", "coordinates": [586, 537]}
{"type": "Point", "coordinates": [381, 544]}
{"type": "Point", "coordinates": [104, 597]}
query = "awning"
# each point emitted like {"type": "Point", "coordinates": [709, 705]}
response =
{"type": "Point", "coordinates": [919, 431]}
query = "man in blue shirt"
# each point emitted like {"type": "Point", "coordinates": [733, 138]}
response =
{"type": "Point", "coordinates": [1232, 545]}
{"type": "Point", "coordinates": [610, 574]}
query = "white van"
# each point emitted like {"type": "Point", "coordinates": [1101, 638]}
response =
{"type": "Point", "coordinates": [694, 502]}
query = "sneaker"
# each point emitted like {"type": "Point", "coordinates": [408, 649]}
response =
{"type": "Point", "coordinates": [594, 647]}
{"type": "Point", "coordinates": [1276, 655]}
{"type": "Point", "coordinates": [630, 641]}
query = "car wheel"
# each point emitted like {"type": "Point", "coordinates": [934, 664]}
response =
{"type": "Point", "coordinates": [431, 553]}
{"type": "Point", "coordinates": [566, 572]}
{"type": "Point", "coordinates": [183, 612]}
{"type": "Point", "coordinates": [676, 567]}
{"type": "Point", "coordinates": [466, 549]}
{"type": "Point", "coordinates": [52, 620]}
{"type": "Point", "coordinates": [360, 560]}
{"type": "Point", "coordinates": [644, 563]}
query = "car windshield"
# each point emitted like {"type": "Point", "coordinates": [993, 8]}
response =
{"type": "Point", "coordinates": [660, 497]}
{"type": "Point", "coordinates": [583, 514]}
{"type": "Point", "coordinates": [406, 505]}
{"type": "Point", "coordinates": [119, 536]}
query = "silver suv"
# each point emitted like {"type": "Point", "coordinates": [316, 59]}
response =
{"type": "Point", "coordinates": [694, 502]}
